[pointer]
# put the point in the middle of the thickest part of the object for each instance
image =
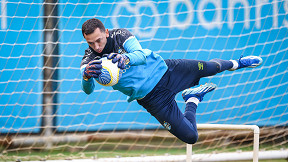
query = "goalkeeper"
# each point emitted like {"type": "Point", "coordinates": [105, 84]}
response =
{"type": "Point", "coordinates": [150, 80]}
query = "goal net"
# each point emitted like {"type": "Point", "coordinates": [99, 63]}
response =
{"type": "Point", "coordinates": [45, 115]}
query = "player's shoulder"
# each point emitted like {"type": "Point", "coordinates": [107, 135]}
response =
{"type": "Point", "coordinates": [120, 33]}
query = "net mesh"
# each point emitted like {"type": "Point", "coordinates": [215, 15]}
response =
{"type": "Point", "coordinates": [63, 122]}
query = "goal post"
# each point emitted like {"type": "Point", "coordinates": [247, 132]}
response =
{"type": "Point", "coordinates": [254, 128]}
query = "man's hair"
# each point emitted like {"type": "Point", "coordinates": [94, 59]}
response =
{"type": "Point", "coordinates": [91, 25]}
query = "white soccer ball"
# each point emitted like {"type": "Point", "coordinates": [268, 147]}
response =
{"type": "Point", "coordinates": [110, 75]}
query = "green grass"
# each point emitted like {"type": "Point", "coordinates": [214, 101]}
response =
{"type": "Point", "coordinates": [53, 155]}
{"type": "Point", "coordinates": [114, 148]}
{"type": "Point", "coordinates": [66, 154]}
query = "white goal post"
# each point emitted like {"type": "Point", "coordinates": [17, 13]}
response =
{"type": "Point", "coordinates": [253, 128]}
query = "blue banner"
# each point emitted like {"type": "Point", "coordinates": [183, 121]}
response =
{"type": "Point", "coordinates": [203, 30]}
{"type": "Point", "coordinates": [21, 67]}
{"type": "Point", "coordinates": [188, 29]}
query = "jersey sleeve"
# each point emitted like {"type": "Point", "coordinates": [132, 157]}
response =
{"type": "Point", "coordinates": [134, 51]}
{"type": "Point", "coordinates": [88, 86]}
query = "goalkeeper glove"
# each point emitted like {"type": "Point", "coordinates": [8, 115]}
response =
{"type": "Point", "coordinates": [93, 69]}
{"type": "Point", "coordinates": [121, 59]}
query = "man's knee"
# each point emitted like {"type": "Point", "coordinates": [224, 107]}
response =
{"type": "Point", "coordinates": [217, 64]}
{"type": "Point", "coordinates": [213, 67]}
{"type": "Point", "coordinates": [222, 64]}
{"type": "Point", "coordinates": [192, 138]}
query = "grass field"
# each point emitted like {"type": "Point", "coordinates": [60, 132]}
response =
{"type": "Point", "coordinates": [94, 151]}
{"type": "Point", "coordinates": [56, 155]}
{"type": "Point", "coordinates": [133, 146]}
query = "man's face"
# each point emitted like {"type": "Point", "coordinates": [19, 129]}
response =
{"type": "Point", "coordinates": [97, 40]}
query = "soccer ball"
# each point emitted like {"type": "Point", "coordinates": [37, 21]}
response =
{"type": "Point", "coordinates": [111, 74]}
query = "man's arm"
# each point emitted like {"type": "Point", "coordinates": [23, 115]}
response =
{"type": "Point", "coordinates": [135, 53]}
{"type": "Point", "coordinates": [90, 68]}
{"type": "Point", "coordinates": [87, 84]}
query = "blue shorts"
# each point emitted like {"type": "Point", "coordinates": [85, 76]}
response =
{"type": "Point", "coordinates": [160, 102]}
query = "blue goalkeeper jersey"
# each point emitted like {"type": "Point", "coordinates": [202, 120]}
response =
{"type": "Point", "coordinates": [140, 76]}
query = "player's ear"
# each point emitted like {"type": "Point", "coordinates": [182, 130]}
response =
{"type": "Point", "coordinates": [107, 33]}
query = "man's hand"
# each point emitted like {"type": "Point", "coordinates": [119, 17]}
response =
{"type": "Point", "coordinates": [93, 69]}
{"type": "Point", "coordinates": [121, 59]}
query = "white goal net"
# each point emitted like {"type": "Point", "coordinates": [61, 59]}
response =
{"type": "Point", "coordinates": [45, 115]}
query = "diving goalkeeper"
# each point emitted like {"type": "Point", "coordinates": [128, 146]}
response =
{"type": "Point", "coordinates": [151, 80]}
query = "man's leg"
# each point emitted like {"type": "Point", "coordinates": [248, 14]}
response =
{"type": "Point", "coordinates": [162, 105]}
{"type": "Point", "coordinates": [192, 97]}
{"type": "Point", "coordinates": [177, 123]}
{"type": "Point", "coordinates": [164, 108]}
{"type": "Point", "coordinates": [243, 62]}
{"type": "Point", "coordinates": [184, 125]}
{"type": "Point", "coordinates": [185, 73]}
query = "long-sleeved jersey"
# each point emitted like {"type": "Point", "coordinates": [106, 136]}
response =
{"type": "Point", "coordinates": [140, 76]}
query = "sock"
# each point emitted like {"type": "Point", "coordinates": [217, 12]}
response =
{"type": "Point", "coordinates": [194, 100]}
{"type": "Point", "coordinates": [235, 65]}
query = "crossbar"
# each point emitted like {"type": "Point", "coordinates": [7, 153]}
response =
{"type": "Point", "coordinates": [253, 128]}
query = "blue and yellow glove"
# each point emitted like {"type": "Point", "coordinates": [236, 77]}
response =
{"type": "Point", "coordinates": [93, 69]}
{"type": "Point", "coordinates": [121, 59]}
